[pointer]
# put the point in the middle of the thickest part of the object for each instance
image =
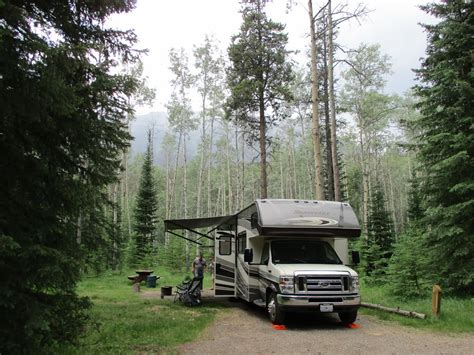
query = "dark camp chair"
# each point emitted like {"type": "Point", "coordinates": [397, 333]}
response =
{"type": "Point", "coordinates": [189, 292]}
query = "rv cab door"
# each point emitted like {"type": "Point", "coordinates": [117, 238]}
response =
{"type": "Point", "coordinates": [224, 281]}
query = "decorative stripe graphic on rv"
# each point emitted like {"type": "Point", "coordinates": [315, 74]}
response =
{"type": "Point", "coordinates": [230, 280]}
{"type": "Point", "coordinates": [241, 286]}
{"type": "Point", "coordinates": [244, 266]}
{"type": "Point", "coordinates": [225, 270]}
{"type": "Point", "coordinates": [224, 263]}
{"type": "Point", "coordinates": [268, 276]}
{"type": "Point", "coordinates": [218, 285]}
{"type": "Point", "coordinates": [253, 271]}
{"type": "Point", "coordinates": [226, 273]}
{"type": "Point", "coordinates": [254, 274]}
{"type": "Point", "coordinates": [254, 291]}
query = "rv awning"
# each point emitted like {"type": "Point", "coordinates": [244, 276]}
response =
{"type": "Point", "coordinates": [196, 223]}
{"type": "Point", "coordinates": [192, 224]}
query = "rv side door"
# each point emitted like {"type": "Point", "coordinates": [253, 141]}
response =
{"type": "Point", "coordinates": [225, 266]}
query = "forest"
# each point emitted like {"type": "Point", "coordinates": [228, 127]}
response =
{"type": "Point", "coordinates": [75, 200]}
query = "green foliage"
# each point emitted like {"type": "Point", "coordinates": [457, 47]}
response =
{"type": "Point", "coordinates": [179, 107]}
{"type": "Point", "coordinates": [446, 150]}
{"type": "Point", "coordinates": [380, 238]}
{"type": "Point", "coordinates": [61, 131]}
{"type": "Point", "coordinates": [145, 213]}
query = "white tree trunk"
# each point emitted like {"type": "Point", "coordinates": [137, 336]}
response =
{"type": "Point", "coordinates": [319, 184]}
{"type": "Point", "coordinates": [332, 104]}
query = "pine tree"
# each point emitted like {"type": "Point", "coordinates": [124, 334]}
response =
{"type": "Point", "coordinates": [145, 213]}
{"type": "Point", "coordinates": [446, 149]}
{"type": "Point", "coordinates": [258, 77]}
{"type": "Point", "coordinates": [379, 244]}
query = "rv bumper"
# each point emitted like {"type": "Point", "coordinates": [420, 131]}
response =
{"type": "Point", "coordinates": [340, 303]}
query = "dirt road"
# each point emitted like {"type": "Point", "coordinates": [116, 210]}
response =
{"type": "Point", "coordinates": [244, 329]}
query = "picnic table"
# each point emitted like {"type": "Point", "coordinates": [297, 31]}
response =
{"type": "Point", "coordinates": [141, 275]}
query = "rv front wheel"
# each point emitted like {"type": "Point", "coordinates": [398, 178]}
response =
{"type": "Point", "coordinates": [275, 312]}
{"type": "Point", "coordinates": [348, 317]}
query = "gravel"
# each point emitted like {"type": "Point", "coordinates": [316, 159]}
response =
{"type": "Point", "coordinates": [245, 329]}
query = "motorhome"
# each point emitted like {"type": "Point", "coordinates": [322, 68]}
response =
{"type": "Point", "coordinates": [285, 255]}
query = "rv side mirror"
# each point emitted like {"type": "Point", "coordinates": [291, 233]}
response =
{"type": "Point", "coordinates": [248, 255]}
{"type": "Point", "coordinates": [355, 257]}
{"type": "Point", "coordinates": [254, 220]}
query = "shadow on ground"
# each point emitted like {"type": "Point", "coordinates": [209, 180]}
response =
{"type": "Point", "coordinates": [306, 320]}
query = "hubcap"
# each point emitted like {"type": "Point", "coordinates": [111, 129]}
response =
{"type": "Point", "coordinates": [272, 308]}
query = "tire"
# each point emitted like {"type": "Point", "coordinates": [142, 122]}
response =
{"type": "Point", "coordinates": [348, 317]}
{"type": "Point", "coordinates": [275, 313]}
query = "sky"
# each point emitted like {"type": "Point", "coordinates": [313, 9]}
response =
{"type": "Point", "coordinates": [162, 25]}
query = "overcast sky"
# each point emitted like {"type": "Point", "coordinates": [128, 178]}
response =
{"type": "Point", "coordinates": [162, 25]}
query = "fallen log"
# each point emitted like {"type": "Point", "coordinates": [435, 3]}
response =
{"type": "Point", "coordinates": [394, 310]}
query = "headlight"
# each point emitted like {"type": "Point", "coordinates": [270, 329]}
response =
{"type": "Point", "coordinates": [354, 283]}
{"type": "Point", "coordinates": [287, 284]}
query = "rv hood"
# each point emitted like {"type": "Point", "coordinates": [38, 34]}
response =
{"type": "Point", "coordinates": [290, 269]}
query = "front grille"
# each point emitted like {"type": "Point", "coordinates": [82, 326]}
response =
{"type": "Point", "coordinates": [319, 284]}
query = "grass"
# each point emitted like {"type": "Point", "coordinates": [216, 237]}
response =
{"type": "Point", "coordinates": [124, 322]}
{"type": "Point", "coordinates": [457, 314]}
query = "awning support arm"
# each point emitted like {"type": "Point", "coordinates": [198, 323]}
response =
{"type": "Point", "coordinates": [193, 231]}
{"type": "Point", "coordinates": [176, 234]}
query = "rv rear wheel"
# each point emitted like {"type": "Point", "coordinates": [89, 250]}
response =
{"type": "Point", "coordinates": [348, 317]}
{"type": "Point", "coordinates": [276, 314]}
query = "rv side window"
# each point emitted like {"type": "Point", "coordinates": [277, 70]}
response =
{"type": "Point", "coordinates": [265, 254]}
{"type": "Point", "coordinates": [225, 246]}
{"type": "Point", "coordinates": [242, 242]}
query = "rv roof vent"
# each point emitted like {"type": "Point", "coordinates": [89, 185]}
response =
{"type": "Point", "coordinates": [305, 201]}
{"type": "Point", "coordinates": [315, 201]}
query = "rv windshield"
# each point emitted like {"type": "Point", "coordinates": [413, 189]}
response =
{"type": "Point", "coordinates": [303, 252]}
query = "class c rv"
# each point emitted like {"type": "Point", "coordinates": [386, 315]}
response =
{"type": "Point", "coordinates": [284, 255]}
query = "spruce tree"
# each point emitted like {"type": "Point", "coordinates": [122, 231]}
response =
{"type": "Point", "coordinates": [380, 238]}
{"type": "Point", "coordinates": [145, 213]}
{"type": "Point", "coordinates": [62, 110]}
{"type": "Point", "coordinates": [446, 144]}
{"type": "Point", "coordinates": [415, 210]}
{"type": "Point", "coordinates": [407, 272]}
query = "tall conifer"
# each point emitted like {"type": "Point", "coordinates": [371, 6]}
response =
{"type": "Point", "coordinates": [62, 108]}
{"type": "Point", "coordinates": [380, 236]}
{"type": "Point", "coordinates": [258, 77]}
{"type": "Point", "coordinates": [446, 93]}
{"type": "Point", "coordinates": [146, 219]}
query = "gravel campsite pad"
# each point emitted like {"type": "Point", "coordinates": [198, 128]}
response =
{"type": "Point", "coordinates": [245, 329]}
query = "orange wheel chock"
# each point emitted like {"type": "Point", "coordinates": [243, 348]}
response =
{"type": "Point", "coordinates": [352, 326]}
